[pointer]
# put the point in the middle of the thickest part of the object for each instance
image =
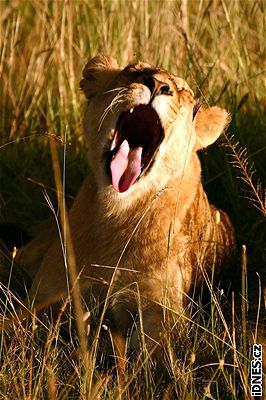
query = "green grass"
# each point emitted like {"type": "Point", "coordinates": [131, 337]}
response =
{"type": "Point", "coordinates": [219, 47]}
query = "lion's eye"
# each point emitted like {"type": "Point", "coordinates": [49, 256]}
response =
{"type": "Point", "coordinates": [156, 86]}
{"type": "Point", "coordinates": [166, 90]}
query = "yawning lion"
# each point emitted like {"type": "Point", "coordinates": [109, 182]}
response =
{"type": "Point", "coordinates": [141, 219]}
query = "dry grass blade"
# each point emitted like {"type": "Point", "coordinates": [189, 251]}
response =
{"type": "Point", "coordinates": [71, 263]}
{"type": "Point", "coordinates": [240, 162]}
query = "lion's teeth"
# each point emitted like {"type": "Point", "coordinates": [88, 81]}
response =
{"type": "Point", "coordinates": [131, 110]}
{"type": "Point", "coordinates": [113, 144]}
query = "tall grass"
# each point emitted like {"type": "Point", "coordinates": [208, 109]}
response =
{"type": "Point", "coordinates": [219, 47]}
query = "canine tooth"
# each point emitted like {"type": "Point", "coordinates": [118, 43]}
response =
{"type": "Point", "coordinates": [113, 144]}
{"type": "Point", "coordinates": [131, 110]}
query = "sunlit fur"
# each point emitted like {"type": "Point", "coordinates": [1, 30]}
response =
{"type": "Point", "coordinates": [161, 234]}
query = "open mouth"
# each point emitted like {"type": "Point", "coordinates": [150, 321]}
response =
{"type": "Point", "coordinates": [138, 135]}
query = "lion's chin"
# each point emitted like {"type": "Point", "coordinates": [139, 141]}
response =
{"type": "Point", "coordinates": [138, 135]}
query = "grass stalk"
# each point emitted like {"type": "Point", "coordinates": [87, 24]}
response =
{"type": "Point", "coordinates": [244, 305]}
{"type": "Point", "coordinates": [72, 269]}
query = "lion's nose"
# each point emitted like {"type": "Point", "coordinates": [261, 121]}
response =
{"type": "Point", "coordinates": [156, 87]}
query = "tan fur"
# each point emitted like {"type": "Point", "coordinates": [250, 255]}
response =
{"type": "Point", "coordinates": [162, 233]}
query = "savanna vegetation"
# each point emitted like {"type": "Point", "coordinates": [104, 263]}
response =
{"type": "Point", "coordinates": [218, 46]}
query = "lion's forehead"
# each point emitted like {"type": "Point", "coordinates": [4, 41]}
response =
{"type": "Point", "coordinates": [133, 72]}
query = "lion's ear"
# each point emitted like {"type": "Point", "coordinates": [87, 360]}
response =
{"type": "Point", "coordinates": [97, 72]}
{"type": "Point", "coordinates": [209, 124]}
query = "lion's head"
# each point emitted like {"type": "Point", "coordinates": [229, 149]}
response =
{"type": "Point", "coordinates": [143, 125]}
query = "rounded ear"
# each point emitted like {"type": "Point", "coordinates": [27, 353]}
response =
{"type": "Point", "coordinates": [209, 124]}
{"type": "Point", "coordinates": [97, 72]}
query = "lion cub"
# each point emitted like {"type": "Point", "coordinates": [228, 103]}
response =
{"type": "Point", "coordinates": [141, 219]}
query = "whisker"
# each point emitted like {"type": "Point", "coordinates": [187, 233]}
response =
{"type": "Point", "coordinates": [115, 89]}
{"type": "Point", "coordinates": [119, 98]}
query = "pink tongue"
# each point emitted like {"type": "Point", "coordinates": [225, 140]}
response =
{"type": "Point", "coordinates": [125, 167]}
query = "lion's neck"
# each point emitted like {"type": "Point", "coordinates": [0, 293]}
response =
{"type": "Point", "coordinates": [174, 217]}
{"type": "Point", "coordinates": [169, 204]}
{"type": "Point", "coordinates": [174, 196]}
